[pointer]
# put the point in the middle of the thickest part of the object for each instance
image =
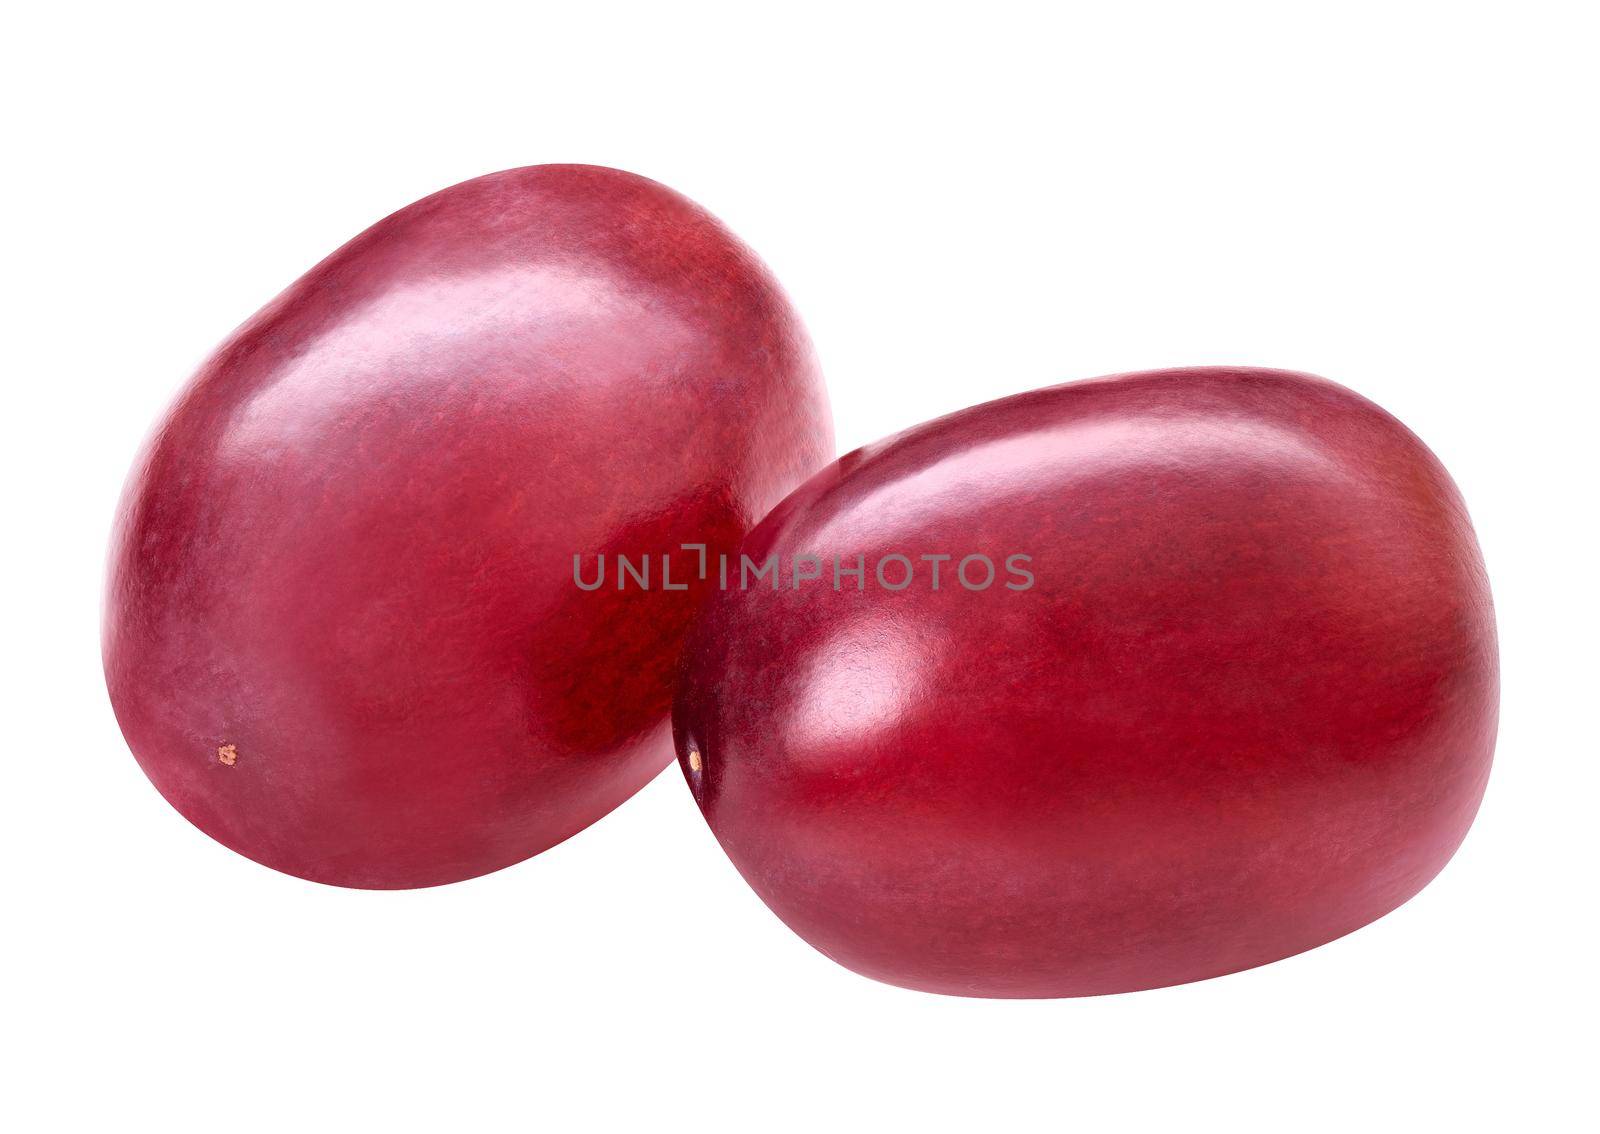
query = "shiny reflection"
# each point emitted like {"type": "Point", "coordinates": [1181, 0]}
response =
{"type": "Point", "coordinates": [859, 684]}
{"type": "Point", "coordinates": [968, 480]}
{"type": "Point", "coordinates": [408, 339]}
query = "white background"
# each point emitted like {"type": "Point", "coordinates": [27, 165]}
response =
{"type": "Point", "coordinates": [963, 203]}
